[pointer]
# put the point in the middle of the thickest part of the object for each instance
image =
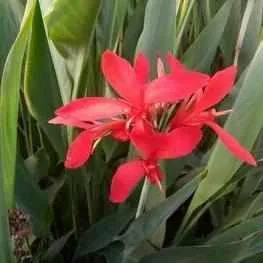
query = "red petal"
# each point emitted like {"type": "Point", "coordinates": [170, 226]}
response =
{"type": "Point", "coordinates": [120, 135]}
{"type": "Point", "coordinates": [172, 88]}
{"type": "Point", "coordinates": [218, 87]}
{"type": "Point", "coordinates": [142, 68]}
{"type": "Point", "coordinates": [80, 149]}
{"type": "Point", "coordinates": [174, 64]}
{"type": "Point", "coordinates": [70, 122]}
{"type": "Point", "coordinates": [93, 108]}
{"type": "Point", "coordinates": [166, 145]}
{"type": "Point", "coordinates": [125, 179]}
{"type": "Point", "coordinates": [232, 144]}
{"type": "Point", "coordinates": [121, 76]}
{"type": "Point", "coordinates": [180, 142]}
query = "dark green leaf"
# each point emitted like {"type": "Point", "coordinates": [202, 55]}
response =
{"type": "Point", "coordinates": [246, 117]}
{"type": "Point", "coordinates": [146, 224]}
{"type": "Point", "coordinates": [252, 36]}
{"type": "Point", "coordinates": [158, 35]}
{"type": "Point", "coordinates": [57, 246]}
{"type": "Point", "coordinates": [33, 200]}
{"type": "Point", "coordinates": [202, 52]}
{"type": "Point", "coordinates": [227, 253]}
{"type": "Point", "coordinates": [9, 101]}
{"type": "Point", "coordinates": [72, 22]}
{"type": "Point", "coordinates": [102, 233]}
{"type": "Point", "coordinates": [41, 88]}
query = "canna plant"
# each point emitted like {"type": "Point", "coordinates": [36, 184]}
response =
{"type": "Point", "coordinates": [109, 111]}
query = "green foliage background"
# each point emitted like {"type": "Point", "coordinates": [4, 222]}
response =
{"type": "Point", "coordinates": [50, 54]}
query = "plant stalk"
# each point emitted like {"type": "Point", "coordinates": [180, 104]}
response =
{"type": "Point", "coordinates": [143, 197]}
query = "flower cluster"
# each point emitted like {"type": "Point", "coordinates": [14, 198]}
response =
{"type": "Point", "coordinates": [162, 118]}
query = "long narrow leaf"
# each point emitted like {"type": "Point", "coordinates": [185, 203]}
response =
{"type": "Point", "coordinates": [246, 118]}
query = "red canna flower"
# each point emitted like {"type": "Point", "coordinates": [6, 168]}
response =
{"type": "Point", "coordinates": [183, 136]}
{"type": "Point", "coordinates": [153, 147]}
{"type": "Point", "coordinates": [100, 116]}
{"type": "Point", "coordinates": [197, 110]}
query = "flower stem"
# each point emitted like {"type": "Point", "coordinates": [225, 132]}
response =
{"type": "Point", "coordinates": [143, 197]}
{"type": "Point", "coordinates": [243, 29]}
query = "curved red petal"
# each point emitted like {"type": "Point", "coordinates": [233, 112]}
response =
{"type": "Point", "coordinates": [165, 145]}
{"type": "Point", "coordinates": [144, 140]}
{"type": "Point", "coordinates": [232, 144]}
{"type": "Point", "coordinates": [121, 76]}
{"type": "Point", "coordinates": [142, 68]}
{"type": "Point", "coordinates": [180, 142]}
{"type": "Point", "coordinates": [93, 108]}
{"type": "Point", "coordinates": [80, 149]}
{"type": "Point", "coordinates": [174, 64]}
{"type": "Point", "coordinates": [120, 135]}
{"type": "Point", "coordinates": [218, 87]}
{"type": "Point", "coordinates": [70, 122]}
{"type": "Point", "coordinates": [172, 88]}
{"type": "Point", "coordinates": [125, 180]}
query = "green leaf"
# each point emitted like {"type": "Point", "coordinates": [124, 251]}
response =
{"type": "Point", "coordinates": [223, 252]}
{"type": "Point", "coordinates": [158, 35]}
{"type": "Point", "coordinates": [71, 22]}
{"type": "Point", "coordinates": [33, 200]}
{"type": "Point", "coordinates": [231, 31]}
{"type": "Point", "coordinates": [202, 52]}
{"type": "Point", "coordinates": [10, 85]}
{"type": "Point", "coordinates": [102, 233]}
{"type": "Point", "coordinates": [252, 36]}
{"type": "Point", "coordinates": [133, 30]}
{"type": "Point", "coordinates": [57, 246]}
{"type": "Point", "coordinates": [146, 224]}
{"type": "Point", "coordinates": [110, 23]}
{"type": "Point", "coordinates": [4, 226]}
{"type": "Point", "coordinates": [113, 253]}
{"type": "Point", "coordinates": [246, 117]}
{"type": "Point", "coordinates": [42, 97]}
{"type": "Point", "coordinates": [10, 16]}
{"type": "Point", "coordinates": [237, 232]}
{"type": "Point", "coordinates": [9, 101]}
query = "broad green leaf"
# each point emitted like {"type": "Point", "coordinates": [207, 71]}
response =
{"type": "Point", "coordinates": [158, 35]}
{"type": "Point", "coordinates": [10, 16]}
{"type": "Point", "coordinates": [102, 233]}
{"type": "Point", "coordinates": [60, 63]}
{"type": "Point", "coordinates": [146, 224]}
{"type": "Point", "coordinates": [33, 200]}
{"type": "Point", "coordinates": [246, 117]}
{"type": "Point", "coordinates": [41, 88]}
{"type": "Point", "coordinates": [5, 247]}
{"type": "Point", "coordinates": [9, 101]}
{"type": "Point", "coordinates": [222, 252]}
{"type": "Point", "coordinates": [72, 22]}
{"type": "Point", "coordinates": [70, 26]}
{"type": "Point", "coordinates": [230, 34]}
{"type": "Point", "coordinates": [133, 30]}
{"type": "Point", "coordinates": [113, 253]}
{"type": "Point", "coordinates": [10, 85]}
{"type": "Point", "coordinates": [110, 24]}
{"type": "Point", "coordinates": [254, 259]}
{"type": "Point", "coordinates": [249, 208]}
{"type": "Point", "coordinates": [57, 246]}
{"type": "Point", "coordinates": [202, 52]}
{"type": "Point", "coordinates": [237, 232]}
{"type": "Point", "coordinates": [252, 36]}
